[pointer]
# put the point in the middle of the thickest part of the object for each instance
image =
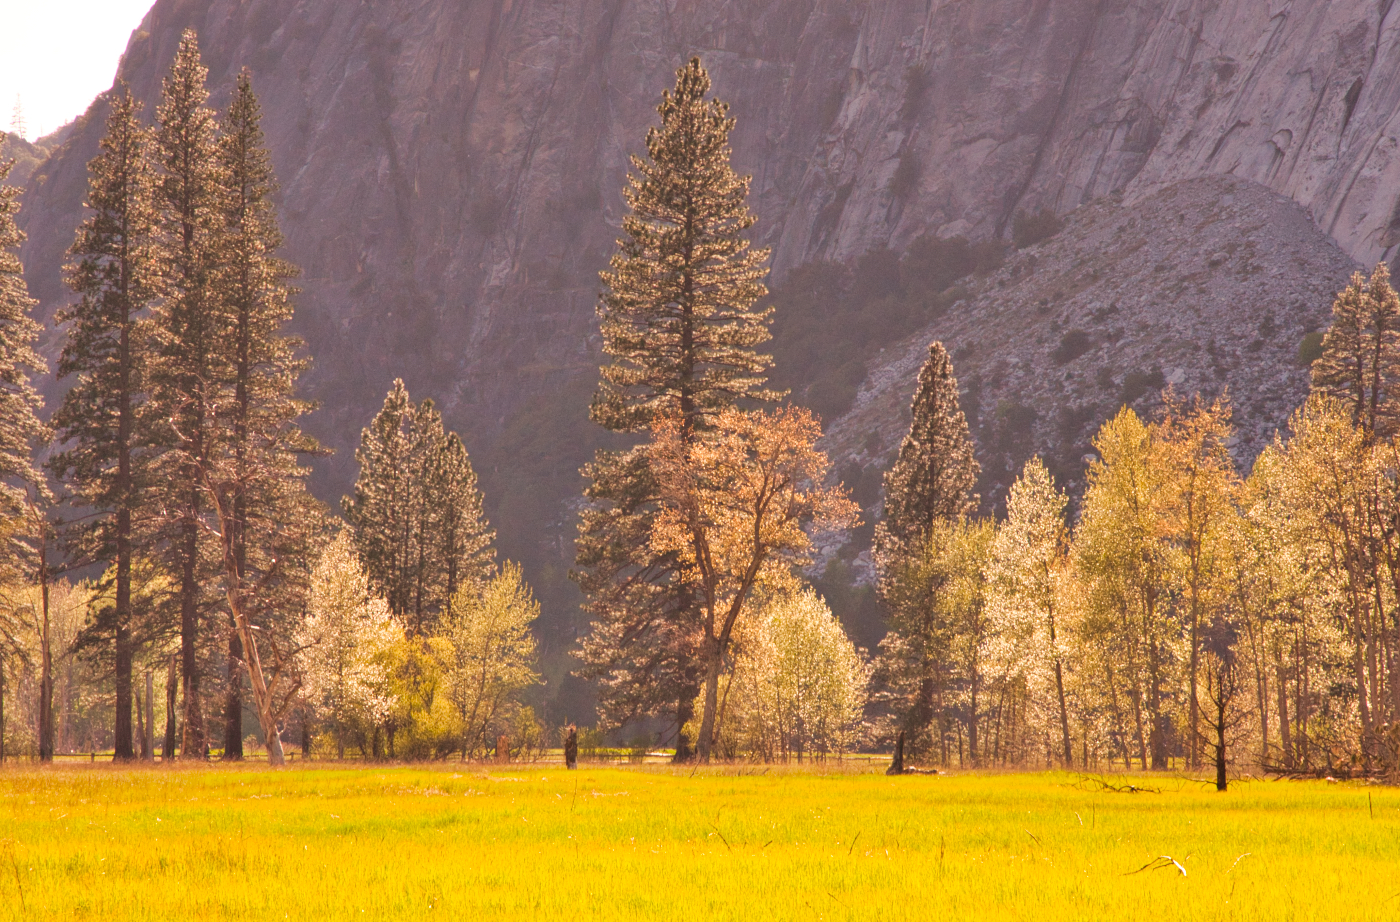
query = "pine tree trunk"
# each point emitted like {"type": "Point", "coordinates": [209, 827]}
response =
{"type": "Point", "coordinates": [1285, 736]}
{"type": "Point", "coordinates": [122, 741]}
{"type": "Point", "coordinates": [140, 722]}
{"type": "Point", "coordinates": [45, 668]}
{"type": "Point", "coordinates": [1221, 782]}
{"type": "Point", "coordinates": [125, 423]}
{"type": "Point", "coordinates": [148, 743]}
{"type": "Point", "coordinates": [685, 713]}
{"type": "Point", "coordinates": [193, 743]}
{"type": "Point", "coordinates": [171, 688]}
{"type": "Point", "coordinates": [233, 705]}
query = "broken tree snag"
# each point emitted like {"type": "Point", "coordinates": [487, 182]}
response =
{"type": "Point", "coordinates": [571, 747]}
{"type": "Point", "coordinates": [502, 748]}
{"type": "Point", "coordinates": [897, 766]}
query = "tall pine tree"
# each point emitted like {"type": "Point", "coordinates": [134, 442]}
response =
{"type": "Point", "coordinates": [23, 490]}
{"type": "Point", "coordinates": [272, 527]}
{"type": "Point", "coordinates": [681, 325]}
{"type": "Point", "coordinates": [190, 356]}
{"type": "Point", "coordinates": [928, 491]}
{"type": "Point", "coordinates": [115, 277]}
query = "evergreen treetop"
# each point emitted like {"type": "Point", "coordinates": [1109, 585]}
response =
{"type": "Point", "coordinates": [417, 513]}
{"type": "Point", "coordinates": [19, 402]}
{"type": "Point", "coordinates": [115, 278]}
{"type": "Point", "coordinates": [935, 472]}
{"type": "Point", "coordinates": [1360, 361]}
{"type": "Point", "coordinates": [678, 310]}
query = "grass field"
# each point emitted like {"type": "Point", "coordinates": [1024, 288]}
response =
{"type": "Point", "coordinates": [536, 841]}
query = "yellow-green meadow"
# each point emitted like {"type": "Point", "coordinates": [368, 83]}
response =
{"type": "Point", "coordinates": [536, 841]}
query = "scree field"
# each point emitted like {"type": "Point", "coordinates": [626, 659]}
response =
{"type": "Point", "coordinates": [606, 843]}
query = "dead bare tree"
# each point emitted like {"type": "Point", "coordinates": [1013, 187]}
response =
{"type": "Point", "coordinates": [1223, 714]}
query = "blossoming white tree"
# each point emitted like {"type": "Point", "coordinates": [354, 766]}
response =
{"type": "Point", "coordinates": [346, 641]}
{"type": "Point", "coordinates": [798, 686]}
{"type": "Point", "coordinates": [1029, 557]}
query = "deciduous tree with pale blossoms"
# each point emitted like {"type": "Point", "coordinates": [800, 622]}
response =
{"type": "Point", "coordinates": [798, 687]}
{"type": "Point", "coordinates": [738, 510]}
{"type": "Point", "coordinates": [1028, 562]}
{"type": "Point", "coordinates": [346, 642]}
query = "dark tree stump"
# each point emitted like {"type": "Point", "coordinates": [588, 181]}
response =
{"type": "Point", "coordinates": [571, 748]}
{"type": "Point", "coordinates": [897, 766]}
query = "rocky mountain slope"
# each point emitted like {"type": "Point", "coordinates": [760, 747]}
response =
{"type": "Point", "coordinates": [1208, 286]}
{"type": "Point", "coordinates": [451, 176]}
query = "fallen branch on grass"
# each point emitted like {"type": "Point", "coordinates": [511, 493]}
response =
{"type": "Point", "coordinates": [1103, 785]}
{"type": "Point", "coordinates": [1157, 864]}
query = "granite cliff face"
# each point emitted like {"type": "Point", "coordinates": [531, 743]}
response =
{"type": "Point", "coordinates": [451, 170]}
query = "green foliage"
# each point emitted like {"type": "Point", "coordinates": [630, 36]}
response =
{"type": "Point", "coordinates": [417, 513]}
{"type": "Point", "coordinates": [1360, 361]}
{"type": "Point", "coordinates": [917, 83]}
{"type": "Point", "coordinates": [832, 318]}
{"type": "Point", "coordinates": [678, 306]}
{"type": "Point", "coordinates": [932, 478]}
{"type": "Point", "coordinates": [931, 667]}
{"type": "Point", "coordinates": [797, 688]}
{"type": "Point", "coordinates": [906, 175]}
{"type": "Point", "coordinates": [488, 658]}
